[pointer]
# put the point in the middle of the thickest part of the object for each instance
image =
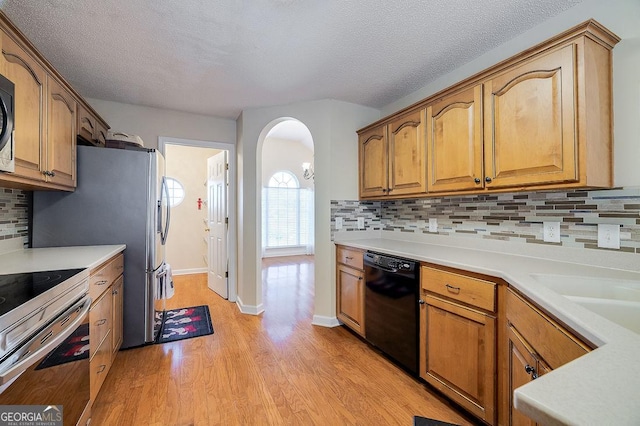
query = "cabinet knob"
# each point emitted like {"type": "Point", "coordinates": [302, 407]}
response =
{"type": "Point", "coordinates": [477, 180]}
{"type": "Point", "coordinates": [52, 174]}
{"type": "Point", "coordinates": [115, 291]}
{"type": "Point", "coordinates": [390, 189]}
{"type": "Point", "coordinates": [384, 189]}
{"type": "Point", "coordinates": [487, 179]}
{"type": "Point", "coordinates": [530, 370]}
{"type": "Point", "coordinates": [420, 301]}
{"type": "Point", "coordinates": [359, 278]}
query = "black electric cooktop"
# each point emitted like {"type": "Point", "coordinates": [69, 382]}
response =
{"type": "Point", "coordinates": [16, 289]}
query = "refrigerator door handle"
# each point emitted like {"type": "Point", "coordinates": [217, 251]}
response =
{"type": "Point", "coordinates": [165, 195]}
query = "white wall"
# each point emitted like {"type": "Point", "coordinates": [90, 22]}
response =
{"type": "Point", "coordinates": [621, 17]}
{"type": "Point", "coordinates": [150, 123]}
{"type": "Point", "coordinates": [186, 248]}
{"type": "Point", "coordinates": [282, 154]}
{"type": "Point", "coordinates": [332, 125]}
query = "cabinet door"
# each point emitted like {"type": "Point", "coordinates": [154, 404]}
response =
{"type": "Point", "coordinates": [101, 135]}
{"type": "Point", "coordinates": [454, 142]}
{"type": "Point", "coordinates": [116, 327]}
{"type": "Point", "coordinates": [29, 79]}
{"type": "Point", "coordinates": [460, 356]}
{"type": "Point", "coordinates": [350, 298]}
{"type": "Point", "coordinates": [530, 122]}
{"type": "Point", "coordinates": [520, 357]}
{"type": "Point", "coordinates": [407, 168]}
{"type": "Point", "coordinates": [86, 124]}
{"type": "Point", "coordinates": [373, 163]}
{"type": "Point", "coordinates": [61, 135]}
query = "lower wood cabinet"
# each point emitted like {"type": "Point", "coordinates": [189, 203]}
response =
{"type": "Point", "coordinates": [458, 338]}
{"type": "Point", "coordinates": [536, 344]}
{"type": "Point", "coordinates": [105, 319]}
{"type": "Point", "coordinates": [350, 288]}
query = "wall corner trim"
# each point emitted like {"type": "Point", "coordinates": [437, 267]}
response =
{"type": "Point", "coordinates": [325, 321]}
{"type": "Point", "coordinates": [249, 309]}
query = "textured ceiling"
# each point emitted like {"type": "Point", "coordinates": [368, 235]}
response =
{"type": "Point", "coordinates": [220, 57]}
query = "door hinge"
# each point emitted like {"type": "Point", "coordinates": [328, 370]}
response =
{"type": "Point", "coordinates": [226, 166]}
{"type": "Point", "coordinates": [226, 220]}
{"type": "Point", "coordinates": [226, 274]}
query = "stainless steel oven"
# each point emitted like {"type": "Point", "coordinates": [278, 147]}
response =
{"type": "Point", "coordinates": [44, 342]}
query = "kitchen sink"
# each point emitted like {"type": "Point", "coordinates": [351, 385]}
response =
{"type": "Point", "coordinates": [617, 300]}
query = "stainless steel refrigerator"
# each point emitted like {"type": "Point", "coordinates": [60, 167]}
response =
{"type": "Point", "coordinates": [121, 198]}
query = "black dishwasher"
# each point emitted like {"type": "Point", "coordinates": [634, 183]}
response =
{"type": "Point", "coordinates": [391, 307]}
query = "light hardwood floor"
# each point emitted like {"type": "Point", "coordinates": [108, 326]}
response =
{"type": "Point", "coordinates": [272, 369]}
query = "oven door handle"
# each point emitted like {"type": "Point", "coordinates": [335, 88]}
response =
{"type": "Point", "coordinates": [45, 341]}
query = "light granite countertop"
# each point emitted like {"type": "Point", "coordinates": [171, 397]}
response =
{"type": "Point", "coordinates": [15, 259]}
{"type": "Point", "coordinates": [595, 389]}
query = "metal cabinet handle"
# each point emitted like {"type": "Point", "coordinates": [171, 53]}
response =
{"type": "Point", "coordinates": [384, 189]}
{"type": "Point", "coordinates": [359, 278]}
{"type": "Point", "coordinates": [101, 368]}
{"type": "Point", "coordinates": [114, 291]}
{"type": "Point", "coordinates": [452, 288]}
{"type": "Point", "coordinates": [390, 189]}
{"type": "Point", "coordinates": [477, 180]}
{"type": "Point", "coordinates": [101, 322]}
{"type": "Point", "coordinates": [348, 257]}
{"type": "Point", "coordinates": [102, 282]}
{"type": "Point", "coordinates": [530, 370]}
{"type": "Point", "coordinates": [422, 302]}
{"type": "Point", "coordinates": [52, 174]}
{"type": "Point", "coordinates": [487, 179]}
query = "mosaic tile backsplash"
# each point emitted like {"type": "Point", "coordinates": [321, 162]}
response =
{"type": "Point", "coordinates": [14, 214]}
{"type": "Point", "coordinates": [515, 217]}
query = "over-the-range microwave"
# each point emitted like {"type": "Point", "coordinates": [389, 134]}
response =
{"type": "Point", "coordinates": [7, 148]}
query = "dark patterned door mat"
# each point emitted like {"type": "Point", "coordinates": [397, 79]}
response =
{"type": "Point", "coordinates": [185, 323]}
{"type": "Point", "coordinates": [423, 421]}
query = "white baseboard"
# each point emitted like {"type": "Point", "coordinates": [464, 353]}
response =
{"type": "Point", "coordinates": [323, 321]}
{"type": "Point", "coordinates": [189, 271]}
{"type": "Point", "coordinates": [249, 309]}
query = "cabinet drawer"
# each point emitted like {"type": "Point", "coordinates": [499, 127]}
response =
{"type": "Point", "coordinates": [554, 343]}
{"type": "Point", "coordinates": [105, 275]}
{"type": "Point", "coordinates": [465, 289]}
{"type": "Point", "coordinates": [351, 257]}
{"type": "Point", "coordinates": [100, 319]}
{"type": "Point", "coordinates": [99, 366]}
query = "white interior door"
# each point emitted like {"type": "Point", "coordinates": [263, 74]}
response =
{"type": "Point", "coordinates": [217, 223]}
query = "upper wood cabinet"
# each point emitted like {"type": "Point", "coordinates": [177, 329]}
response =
{"type": "Point", "coordinates": [531, 122]}
{"type": "Point", "coordinates": [91, 129]}
{"type": "Point", "coordinates": [61, 136]}
{"type": "Point", "coordinates": [29, 78]}
{"type": "Point", "coordinates": [374, 167]}
{"type": "Point", "coordinates": [392, 158]}
{"type": "Point", "coordinates": [539, 120]}
{"type": "Point", "coordinates": [454, 142]}
{"type": "Point", "coordinates": [49, 115]}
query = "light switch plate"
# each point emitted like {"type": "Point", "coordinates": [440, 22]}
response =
{"type": "Point", "coordinates": [551, 232]}
{"type": "Point", "coordinates": [361, 223]}
{"type": "Point", "coordinates": [608, 236]}
{"type": "Point", "coordinates": [338, 223]}
{"type": "Point", "coordinates": [433, 224]}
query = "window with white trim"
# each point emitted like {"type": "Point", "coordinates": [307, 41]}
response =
{"type": "Point", "coordinates": [287, 211]}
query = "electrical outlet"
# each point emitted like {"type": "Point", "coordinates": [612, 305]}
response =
{"type": "Point", "coordinates": [608, 236]}
{"type": "Point", "coordinates": [551, 232]}
{"type": "Point", "coordinates": [433, 224]}
{"type": "Point", "coordinates": [338, 223]}
{"type": "Point", "coordinates": [361, 223]}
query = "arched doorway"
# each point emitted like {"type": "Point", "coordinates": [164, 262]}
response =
{"type": "Point", "coordinates": [286, 195]}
